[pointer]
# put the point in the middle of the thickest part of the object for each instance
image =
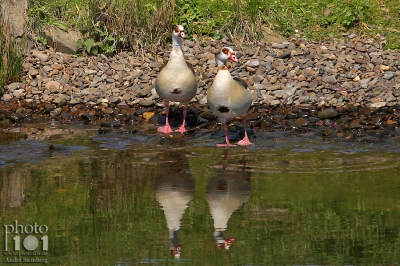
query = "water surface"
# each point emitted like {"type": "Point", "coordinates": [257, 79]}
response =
{"type": "Point", "coordinates": [130, 199]}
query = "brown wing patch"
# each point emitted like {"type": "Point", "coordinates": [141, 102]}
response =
{"type": "Point", "coordinates": [222, 185]}
{"type": "Point", "coordinates": [190, 66]}
{"type": "Point", "coordinates": [241, 82]}
{"type": "Point", "coordinates": [176, 91]}
{"type": "Point", "coordinates": [223, 109]}
{"type": "Point", "coordinates": [163, 65]}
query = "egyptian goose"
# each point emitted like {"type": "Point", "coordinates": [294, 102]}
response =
{"type": "Point", "coordinates": [229, 97]}
{"type": "Point", "coordinates": [226, 193]}
{"type": "Point", "coordinates": [174, 189]}
{"type": "Point", "coordinates": [176, 80]}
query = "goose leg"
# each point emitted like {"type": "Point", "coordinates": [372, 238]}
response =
{"type": "Point", "coordinates": [167, 128]}
{"type": "Point", "coordinates": [227, 144]}
{"type": "Point", "coordinates": [245, 141]}
{"type": "Point", "coordinates": [182, 128]}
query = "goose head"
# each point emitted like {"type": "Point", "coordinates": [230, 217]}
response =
{"type": "Point", "coordinates": [222, 241]}
{"type": "Point", "coordinates": [226, 54]}
{"type": "Point", "coordinates": [176, 252]}
{"type": "Point", "coordinates": [178, 34]}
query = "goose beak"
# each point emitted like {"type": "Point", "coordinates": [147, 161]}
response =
{"type": "Point", "coordinates": [233, 58]}
{"type": "Point", "coordinates": [182, 34]}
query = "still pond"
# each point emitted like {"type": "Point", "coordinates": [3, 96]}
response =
{"type": "Point", "coordinates": [77, 197]}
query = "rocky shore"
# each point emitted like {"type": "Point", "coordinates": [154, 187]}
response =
{"type": "Point", "coordinates": [342, 86]}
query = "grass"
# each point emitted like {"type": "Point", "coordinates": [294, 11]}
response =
{"type": "Point", "coordinates": [144, 25]}
{"type": "Point", "coordinates": [10, 56]}
{"type": "Point", "coordinates": [114, 25]}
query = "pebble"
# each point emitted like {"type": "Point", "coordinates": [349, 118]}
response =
{"type": "Point", "coordinates": [348, 68]}
{"type": "Point", "coordinates": [296, 85]}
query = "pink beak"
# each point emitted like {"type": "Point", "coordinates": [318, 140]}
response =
{"type": "Point", "coordinates": [183, 35]}
{"type": "Point", "coordinates": [233, 58]}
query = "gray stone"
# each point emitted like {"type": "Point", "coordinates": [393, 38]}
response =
{"type": "Point", "coordinates": [41, 56]}
{"type": "Point", "coordinates": [389, 75]}
{"type": "Point", "coordinates": [117, 67]}
{"type": "Point", "coordinates": [18, 93]}
{"type": "Point", "coordinates": [90, 71]}
{"type": "Point", "coordinates": [318, 73]}
{"type": "Point", "coordinates": [144, 92]}
{"type": "Point", "coordinates": [7, 97]}
{"type": "Point", "coordinates": [62, 41]}
{"type": "Point", "coordinates": [329, 79]}
{"type": "Point", "coordinates": [253, 63]}
{"type": "Point", "coordinates": [15, 85]}
{"type": "Point", "coordinates": [15, 12]}
{"type": "Point", "coordinates": [327, 113]}
{"type": "Point", "coordinates": [146, 102]}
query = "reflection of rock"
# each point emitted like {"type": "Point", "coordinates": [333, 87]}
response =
{"type": "Point", "coordinates": [227, 191]}
{"type": "Point", "coordinates": [174, 189]}
{"type": "Point", "coordinates": [31, 151]}
{"type": "Point", "coordinates": [42, 132]}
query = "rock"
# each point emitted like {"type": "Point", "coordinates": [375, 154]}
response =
{"type": "Point", "coordinates": [18, 93]}
{"type": "Point", "coordinates": [351, 36]}
{"type": "Point", "coordinates": [15, 86]}
{"type": "Point", "coordinates": [253, 63]}
{"type": "Point", "coordinates": [385, 68]}
{"type": "Point", "coordinates": [115, 100]}
{"type": "Point", "coordinates": [118, 67]}
{"type": "Point", "coordinates": [389, 75]}
{"type": "Point", "coordinates": [90, 71]}
{"type": "Point", "coordinates": [108, 110]}
{"type": "Point", "coordinates": [14, 11]}
{"type": "Point", "coordinates": [329, 79]}
{"type": "Point", "coordinates": [55, 85]}
{"type": "Point", "coordinates": [62, 41]}
{"type": "Point", "coordinates": [378, 104]}
{"type": "Point", "coordinates": [41, 56]}
{"type": "Point", "coordinates": [145, 91]}
{"type": "Point", "coordinates": [353, 73]}
{"type": "Point", "coordinates": [6, 97]}
{"type": "Point", "coordinates": [327, 113]}
{"type": "Point", "coordinates": [33, 72]}
{"type": "Point", "coordinates": [284, 55]}
{"type": "Point", "coordinates": [146, 102]}
{"type": "Point", "coordinates": [275, 102]}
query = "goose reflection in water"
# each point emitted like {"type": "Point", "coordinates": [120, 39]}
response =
{"type": "Point", "coordinates": [227, 192]}
{"type": "Point", "coordinates": [174, 188]}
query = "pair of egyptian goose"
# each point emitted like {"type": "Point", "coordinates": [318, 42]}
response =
{"type": "Point", "coordinates": [175, 187]}
{"type": "Point", "coordinates": [227, 97]}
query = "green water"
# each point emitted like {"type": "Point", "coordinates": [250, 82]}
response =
{"type": "Point", "coordinates": [105, 201]}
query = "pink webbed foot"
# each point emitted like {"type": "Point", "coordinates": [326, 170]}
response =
{"type": "Point", "coordinates": [164, 129]}
{"type": "Point", "coordinates": [167, 128]}
{"type": "Point", "coordinates": [245, 141]}
{"type": "Point", "coordinates": [181, 129]}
